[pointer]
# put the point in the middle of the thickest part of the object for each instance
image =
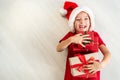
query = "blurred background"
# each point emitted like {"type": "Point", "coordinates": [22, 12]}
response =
{"type": "Point", "coordinates": [31, 29]}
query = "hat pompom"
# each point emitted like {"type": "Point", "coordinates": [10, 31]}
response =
{"type": "Point", "coordinates": [63, 12]}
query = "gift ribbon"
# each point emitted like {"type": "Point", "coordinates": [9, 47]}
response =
{"type": "Point", "coordinates": [84, 62]}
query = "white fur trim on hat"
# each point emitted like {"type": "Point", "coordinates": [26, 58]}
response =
{"type": "Point", "coordinates": [76, 11]}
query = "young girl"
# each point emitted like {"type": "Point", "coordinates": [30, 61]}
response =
{"type": "Point", "coordinates": [81, 19]}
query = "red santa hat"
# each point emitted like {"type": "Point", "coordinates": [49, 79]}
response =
{"type": "Point", "coordinates": [70, 10]}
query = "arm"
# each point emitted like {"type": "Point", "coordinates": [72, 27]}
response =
{"type": "Point", "coordinates": [64, 44]}
{"type": "Point", "coordinates": [77, 39]}
{"type": "Point", "coordinates": [106, 55]}
{"type": "Point", "coordinates": [95, 66]}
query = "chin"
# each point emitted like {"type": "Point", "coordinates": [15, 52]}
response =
{"type": "Point", "coordinates": [82, 30]}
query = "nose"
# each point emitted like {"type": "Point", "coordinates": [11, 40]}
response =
{"type": "Point", "coordinates": [81, 21]}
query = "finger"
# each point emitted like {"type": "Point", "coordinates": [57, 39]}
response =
{"type": "Point", "coordinates": [91, 71]}
{"type": "Point", "coordinates": [78, 34]}
{"type": "Point", "coordinates": [90, 62]}
{"type": "Point", "coordinates": [82, 45]}
{"type": "Point", "coordinates": [86, 41]}
{"type": "Point", "coordinates": [87, 38]}
{"type": "Point", "coordinates": [87, 68]}
{"type": "Point", "coordinates": [86, 35]}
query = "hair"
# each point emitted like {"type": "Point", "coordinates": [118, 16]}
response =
{"type": "Point", "coordinates": [76, 11]}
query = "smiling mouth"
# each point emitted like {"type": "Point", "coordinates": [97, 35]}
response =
{"type": "Point", "coordinates": [82, 26]}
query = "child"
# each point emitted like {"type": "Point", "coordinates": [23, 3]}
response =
{"type": "Point", "coordinates": [81, 19]}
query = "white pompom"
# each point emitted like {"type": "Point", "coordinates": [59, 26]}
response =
{"type": "Point", "coordinates": [63, 12]}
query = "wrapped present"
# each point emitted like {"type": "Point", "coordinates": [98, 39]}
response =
{"type": "Point", "coordinates": [77, 62]}
{"type": "Point", "coordinates": [89, 47]}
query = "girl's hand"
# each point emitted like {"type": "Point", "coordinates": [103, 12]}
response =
{"type": "Point", "coordinates": [93, 67]}
{"type": "Point", "coordinates": [79, 39]}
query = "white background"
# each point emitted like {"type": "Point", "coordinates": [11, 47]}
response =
{"type": "Point", "coordinates": [31, 29]}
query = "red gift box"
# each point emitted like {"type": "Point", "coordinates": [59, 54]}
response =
{"type": "Point", "coordinates": [77, 62]}
{"type": "Point", "coordinates": [90, 48]}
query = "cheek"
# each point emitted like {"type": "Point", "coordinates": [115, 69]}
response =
{"type": "Point", "coordinates": [75, 27]}
{"type": "Point", "coordinates": [88, 23]}
{"type": "Point", "coordinates": [76, 24]}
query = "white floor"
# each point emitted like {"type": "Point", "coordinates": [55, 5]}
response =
{"type": "Point", "coordinates": [31, 29]}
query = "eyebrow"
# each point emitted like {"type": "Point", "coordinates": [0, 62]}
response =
{"type": "Point", "coordinates": [79, 18]}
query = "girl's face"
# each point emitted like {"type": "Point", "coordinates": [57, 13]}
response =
{"type": "Point", "coordinates": [82, 22]}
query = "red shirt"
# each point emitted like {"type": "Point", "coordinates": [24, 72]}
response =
{"type": "Point", "coordinates": [81, 50]}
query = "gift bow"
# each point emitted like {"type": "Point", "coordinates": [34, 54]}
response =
{"type": "Point", "coordinates": [84, 62]}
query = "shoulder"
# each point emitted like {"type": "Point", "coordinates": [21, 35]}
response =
{"type": "Point", "coordinates": [95, 33]}
{"type": "Point", "coordinates": [69, 33]}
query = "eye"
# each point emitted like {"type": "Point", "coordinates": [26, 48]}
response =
{"type": "Point", "coordinates": [77, 19]}
{"type": "Point", "coordinates": [86, 18]}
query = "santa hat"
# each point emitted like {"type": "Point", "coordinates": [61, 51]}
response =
{"type": "Point", "coordinates": [70, 10]}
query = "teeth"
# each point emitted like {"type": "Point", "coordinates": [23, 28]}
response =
{"type": "Point", "coordinates": [82, 26]}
